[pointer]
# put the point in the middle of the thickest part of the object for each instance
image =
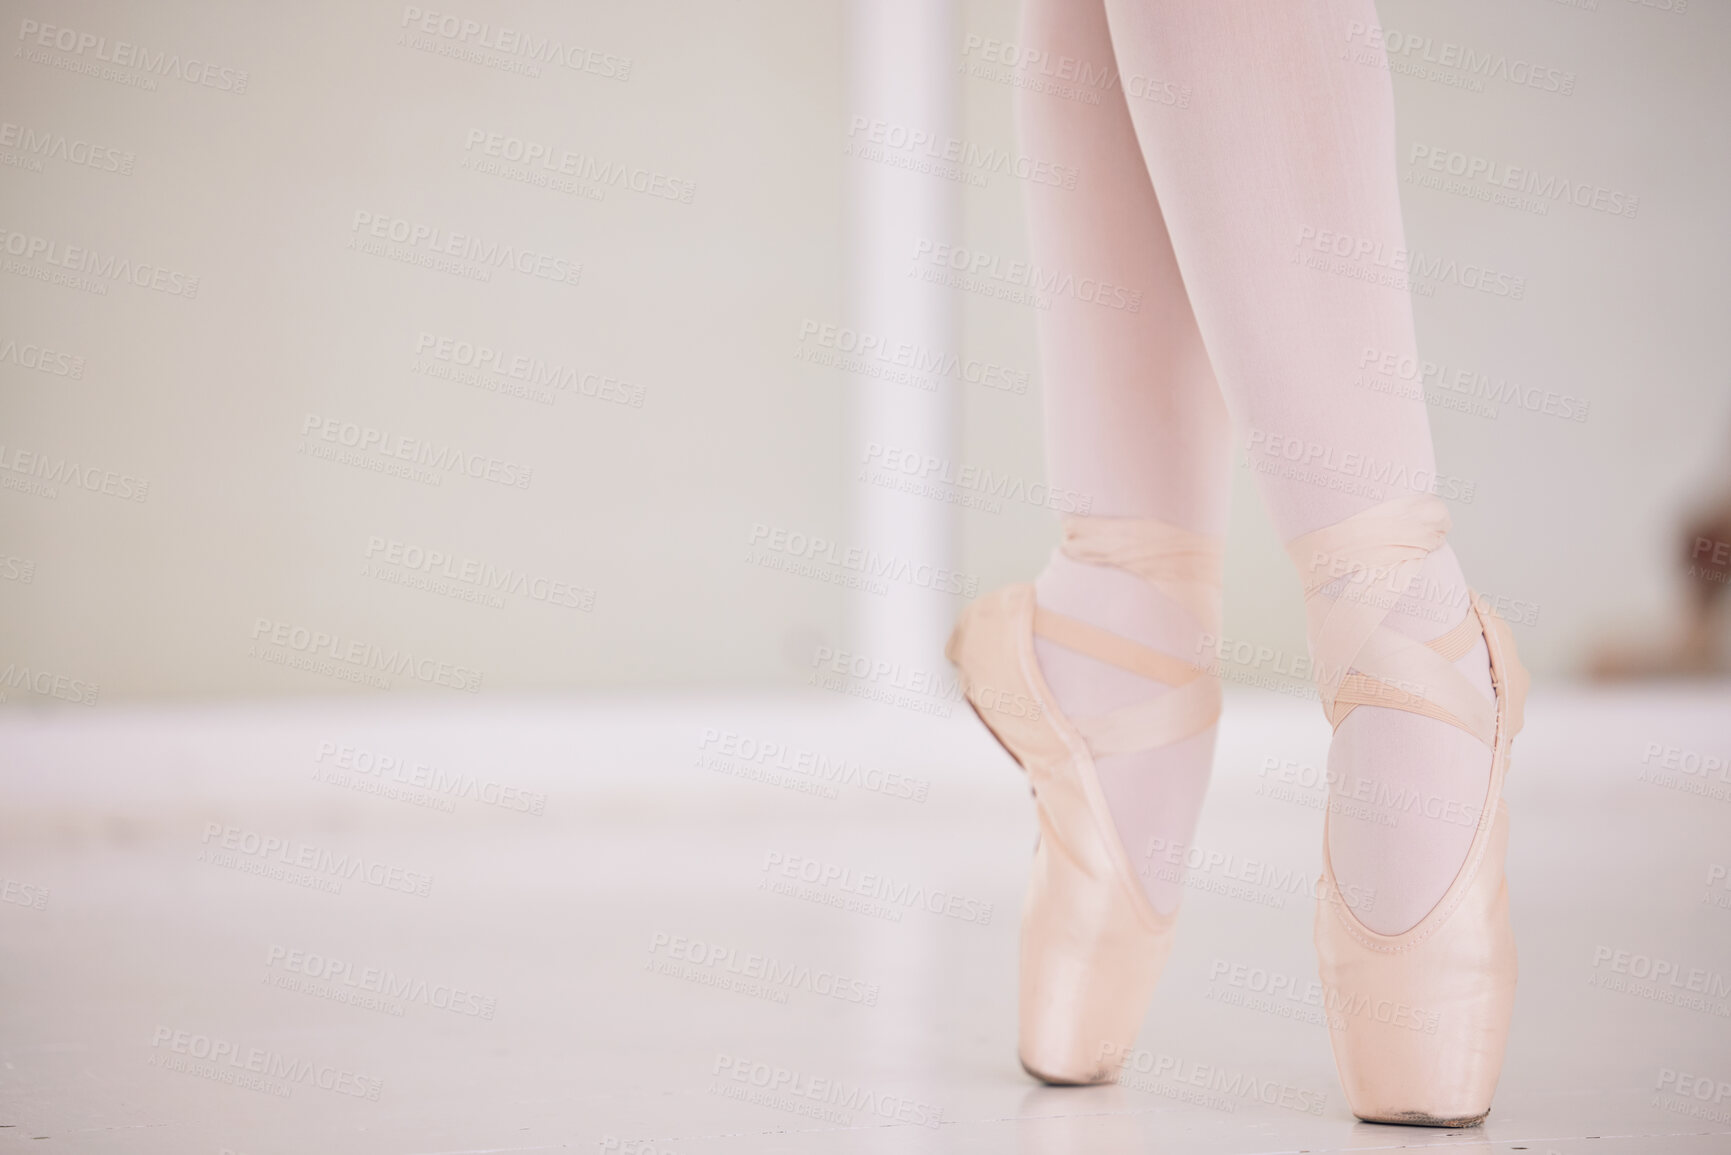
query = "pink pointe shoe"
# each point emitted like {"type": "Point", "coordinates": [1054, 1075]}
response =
{"type": "Point", "coordinates": [1419, 1020]}
{"type": "Point", "coordinates": [1092, 946]}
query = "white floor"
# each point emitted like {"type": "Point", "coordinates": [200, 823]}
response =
{"type": "Point", "coordinates": [576, 978]}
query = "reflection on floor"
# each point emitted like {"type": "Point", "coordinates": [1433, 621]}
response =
{"type": "Point", "coordinates": [750, 925]}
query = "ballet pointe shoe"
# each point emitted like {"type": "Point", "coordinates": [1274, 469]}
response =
{"type": "Point", "coordinates": [1419, 1020]}
{"type": "Point", "coordinates": [1092, 947]}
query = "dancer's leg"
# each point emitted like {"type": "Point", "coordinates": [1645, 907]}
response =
{"type": "Point", "coordinates": [1134, 421]}
{"type": "Point", "coordinates": [1286, 143]}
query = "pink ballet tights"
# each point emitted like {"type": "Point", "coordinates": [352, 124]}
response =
{"type": "Point", "coordinates": [1238, 142]}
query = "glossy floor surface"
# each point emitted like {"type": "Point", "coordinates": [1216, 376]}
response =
{"type": "Point", "coordinates": [749, 925]}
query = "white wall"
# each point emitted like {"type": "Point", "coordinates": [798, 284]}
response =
{"type": "Point", "coordinates": [698, 310]}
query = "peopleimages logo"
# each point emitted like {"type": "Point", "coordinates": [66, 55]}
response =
{"type": "Point", "coordinates": [1217, 1087]}
{"type": "Point", "coordinates": [867, 563]}
{"type": "Point", "coordinates": [360, 656]}
{"type": "Point", "coordinates": [893, 892]}
{"type": "Point", "coordinates": [1448, 54]}
{"type": "Point", "coordinates": [900, 138]}
{"type": "Point", "coordinates": [48, 684]}
{"type": "Point", "coordinates": [532, 371]}
{"type": "Point", "coordinates": [771, 755]}
{"type": "Point", "coordinates": [921, 467]}
{"type": "Point", "coordinates": [802, 1094]}
{"type": "Point", "coordinates": [863, 349]}
{"type": "Point", "coordinates": [973, 264]}
{"type": "Point", "coordinates": [345, 975]}
{"type": "Point", "coordinates": [123, 54]}
{"type": "Point", "coordinates": [1703, 773]}
{"type": "Point", "coordinates": [23, 894]}
{"type": "Point", "coordinates": [366, 439]}
{"type": "Point", "coordinates": [1496, 175]}
{"type": "Point", "coordinates": [214, 1055]}
{"type": "Point", "coordinates": [1336, 1003]}
{"type": "Point", "coordinates": [385, 767]}
{"type": "Point", "coordinates": [578, 166]}
{"type": "Point", "coordinates": [49, 471]}
{"type": "Point", "coordinates": [764, 968]}
{"type": "Point", "coordinates": [1668, 977]}
{"type": "Point", "coordinates": [479, 576]}
{"type": "Point", "coordinates": [1471, 383]}
{"type": "Point", "coordinates": [515, 42]}
{"type": "Point", "coordinates": [1267, 450]}
{"type": "Point", "coordinates": [79, 259]}
{"type": "Point", "coordinates": [41, 359]}
{"type": "Point", "coordinates": [1414, 264]}
{"type": "Point", "coordinates": [1702, 1087]}
{"type": "Point", "coordinates": [1389, 799]}
{"type": "Point", "coordinates": [1276, 879]}
{"type": "Point", "coordinates": [436, 241]}
{"type": "Point", "coordinates": [1041, 62]}
{"type": "Point", "coordinates": [232, 842]}
{"type": "Point", "coordinates": [47, 144]}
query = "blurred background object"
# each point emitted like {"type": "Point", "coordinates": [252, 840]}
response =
{"type": "Point", "coordinates": [1693, 642]}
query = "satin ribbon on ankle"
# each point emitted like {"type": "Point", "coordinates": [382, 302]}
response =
{"type": "Point", "coordinates": [1184, 566]}
{"type": "Point", "coordinates": [1353, 572]}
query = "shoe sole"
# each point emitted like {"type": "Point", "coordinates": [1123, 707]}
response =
{"type": "Point", "coordinates": [1053, 1081]}
{"type": "Point", "coordinates": [1420, 1119]}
